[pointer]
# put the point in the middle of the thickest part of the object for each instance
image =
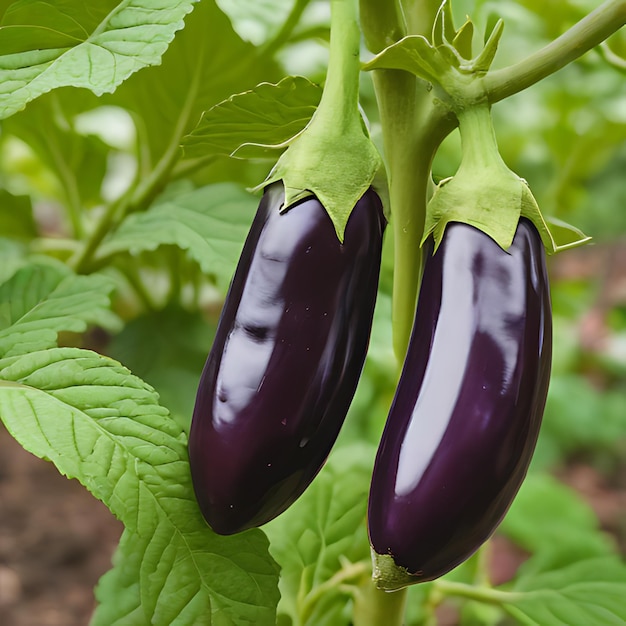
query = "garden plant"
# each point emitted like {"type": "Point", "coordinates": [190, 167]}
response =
{"type": "Point", "coordinates": [390, 178]}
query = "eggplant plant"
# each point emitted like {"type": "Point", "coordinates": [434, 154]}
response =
{"type": "Point", "coordinates": [379, 342]}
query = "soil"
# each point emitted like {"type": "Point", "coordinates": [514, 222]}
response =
{"type": "Point", "coordinates": [56, 540]}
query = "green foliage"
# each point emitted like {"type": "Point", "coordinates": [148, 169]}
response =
{"type": "Point", "coordinates": [321, 541]}
{"type": "Point", "coordinates": [39, 301]}
{"type": "Point", "coordinates": [133, 229]}
{"type": "Point", "coordinates": [257, 122]}
{"type": "Point", "coordinates": [97, 422]}
{"type": "Point", "coordinates": [45, 46]}
{"type": "Point", "coordinates": [209, 223]}
{"type": "Point", "coordinates": [587, 592]}
{"type": "Point", "coordinates": [167, 349]}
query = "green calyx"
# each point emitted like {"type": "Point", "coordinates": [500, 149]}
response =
{"type": "Point", "coordinates": [445, 60]}
{"type": "Point", "coordinates": [333, 158]}
{"type": "Point", "coordinates": [487, 194]}
{"type": "Point", "coordinates": [388, 576]}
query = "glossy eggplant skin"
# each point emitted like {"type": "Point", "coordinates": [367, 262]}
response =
{"type": "Point", "coordinates": [288, 353]}
{"type": "Point", "coordinates": [468, 407]}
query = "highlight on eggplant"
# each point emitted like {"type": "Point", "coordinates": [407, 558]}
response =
{"type": "Point", "coordinates": [468, 407]}
{"type": "Point", "coordinates": [288, 353]}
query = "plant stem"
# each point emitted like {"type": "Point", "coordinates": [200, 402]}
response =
{"type": "Point", "coordinates": [413, 127]}
{"type": "Point", "coordinates": [382, 23]}
{"type": "Point", "coordinates": [582, 37]}
{"type": "Point", "coordinates": [420, 15]}
{"type": "Point", "coordinates": [373, 606]}
{"type": "Point", "coordinates": [283, 35]}
{"type": "Point", "coordinates": [338, 107]}
{"type": "Point", "coordinates": [139, 197]}
{"type": "Point", "coordinates": [479, 147]}
{"type": "Point", "coordinates": [348, 572]}
{"type": "Point", "coordinates": [471, 592]}
{"type": "Point", "coordinates": [81, 259]}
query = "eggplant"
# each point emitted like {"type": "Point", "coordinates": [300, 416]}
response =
{"type": "Point", "coordinates": [287, 356]}
{"type": "Point", "coordinates": [465, 418]}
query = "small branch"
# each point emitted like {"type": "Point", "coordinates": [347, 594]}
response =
{"type": "Point", "coordinates": [611, 58]}
{"type": "Point", "coordinates": [139, 197]}
{"type": "Point", "coordinates": [590, 32]}
{"type": "Point", "coordinates": [186, 168]}
{"type": "Point", "coordinates": [284, 34]}
{"type": "Point", "coordinates": [471, 592]}
{"type": "Point", "coordinates": [348, 572]}
{"type": "Point", "coordinates": [82, 258]}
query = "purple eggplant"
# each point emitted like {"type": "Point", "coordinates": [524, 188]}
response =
{"type": "Point", "coordinates": [288, 353]}
{"type": "Point", "coordinates": [467, 410]}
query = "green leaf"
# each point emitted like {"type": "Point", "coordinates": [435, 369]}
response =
{"type": "Point", "coordinates": [579, 416]}
{"type": "Point", "coordinates": [99, 423]}
{"type": "Point", "coordinates": [97, 46]}
{"type": "Point", "coordinates": [255, 123]}
{"type": "Point", "coordinates": [39, 301]}
{"type": "Point", "coordinates": [413, 53]}
{"type": "Point", "coordinates": [206, 63]}
{"type": "Point", "coordinates": [548, 519]}
{"type": "Point", "coordinates": [172, 364]}
{"type": "Point", "coordinates": [47, 126]}
{"type": "Point", "coordinates": [314, 538]}
{"type": "Point", "coordinates": [16, 216]}
{"type": "Point", "coordinates": [584, 593]}
{"type": "Point", "coordinates": [210, 223]}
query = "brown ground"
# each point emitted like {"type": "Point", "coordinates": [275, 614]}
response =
{"type": "Point", "coordinates": [56, 540]}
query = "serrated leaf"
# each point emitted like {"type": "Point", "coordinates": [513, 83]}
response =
{"type": "Point", "coordinates": [255, 123]}
{"type": "Point", "coordinates": [173, 366]}
{"type": "Point", "coordinates": [326, 525]}
{"type": "Point", "coordinates": [209, 223]}
{"type": "Point", "coordinates": [97, 46]}
{"type": "Point", "coordinates": [584, 593]}
{"type": "Point", "coordinates": [39, 301]}
{"type": "Point", "coordinates": [99, 423]}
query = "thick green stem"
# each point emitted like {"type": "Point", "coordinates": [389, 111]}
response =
{"type": "Point", "coordinates": [338, 108]}
{"type": "Point", "coordinates": [382, 23]}
{"type": "Point", "coordinates": [334, 158]}
{"type": "Point", "coordinates": [373, 607]}
{"type": "Point", "coordinates": [479, 147]}
{"type": "Point", "coordinates": [582, 37]}
{"type": "Point", "coordinates": [413, 127]}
